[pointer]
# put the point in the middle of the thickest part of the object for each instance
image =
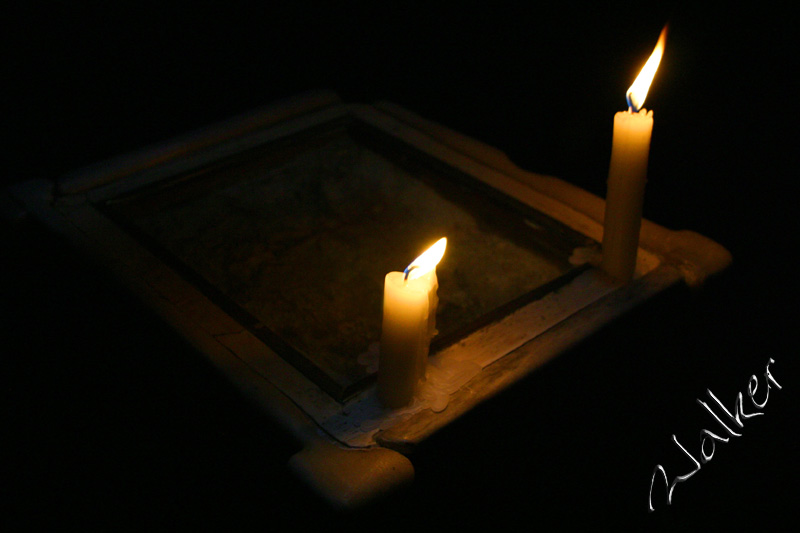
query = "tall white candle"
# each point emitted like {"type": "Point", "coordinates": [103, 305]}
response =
{"type": "Point", "coordinates": [409, 322]}
{"type": "Point", "coordinates": [627, 174]}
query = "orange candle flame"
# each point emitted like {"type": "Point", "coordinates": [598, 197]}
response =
{"type": "Point", "coordinates": [638, 91]}
{"type": "Point", "coordinates": [427, 261]}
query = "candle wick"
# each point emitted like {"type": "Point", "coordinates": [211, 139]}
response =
{"type": "Point", "coordinates": [408, 270]}
{"type": "Point", "coordinates": [631, 107]}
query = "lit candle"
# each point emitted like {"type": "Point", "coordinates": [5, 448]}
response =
{"type": "Point", "coordinates": [409, 323]}
{"type": "Point", "coordinates": [627, 174]}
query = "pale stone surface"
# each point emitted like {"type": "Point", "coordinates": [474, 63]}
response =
{"type": "Point", "coordinates": [451, 369]}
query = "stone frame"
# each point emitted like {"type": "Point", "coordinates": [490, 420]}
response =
{"type": "Point", "coordinates": [355, 451]}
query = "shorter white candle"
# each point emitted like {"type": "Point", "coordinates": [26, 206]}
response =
{"type": "Point", "coordinates": [627, 174]}
{"type": "Point", "coordinates": [409, 323]}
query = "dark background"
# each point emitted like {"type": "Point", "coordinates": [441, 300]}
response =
{"type": "Point", "coordinates": [111, 421]}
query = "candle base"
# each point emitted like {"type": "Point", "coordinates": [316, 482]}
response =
{"type": "Point", "coordinates": [392, 398]}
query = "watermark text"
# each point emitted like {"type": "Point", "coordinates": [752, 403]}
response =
{"type": "Point", "coordinates": [730, 423]}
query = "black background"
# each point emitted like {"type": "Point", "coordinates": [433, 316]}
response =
{"type": "Point", "coordinates": [111, 421]}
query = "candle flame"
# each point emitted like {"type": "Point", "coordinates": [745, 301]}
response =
{"type": "Point", "coordinates": [427, 261]}
{"type": "Point", "coordinates": [638, 91]}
